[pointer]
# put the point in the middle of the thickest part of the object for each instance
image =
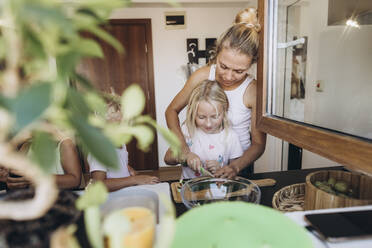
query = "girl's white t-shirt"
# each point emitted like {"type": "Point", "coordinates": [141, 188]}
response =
{"type": "Point", "coordinates": [123, 171]}
{"type": "Point", "coordinates": [222, 147]}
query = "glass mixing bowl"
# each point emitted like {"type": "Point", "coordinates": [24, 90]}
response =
{"type": "Point", "coordinates": [203, 190]}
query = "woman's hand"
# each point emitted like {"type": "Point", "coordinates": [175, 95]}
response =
{"type": "Point", "coordinates": [193, 161]}
{"type": "Point", "coordinates": [145, 179]}
{"type": "Point", "coordinates": [228, 171]}
{"type": "Point", "coordinates": [212, 165]}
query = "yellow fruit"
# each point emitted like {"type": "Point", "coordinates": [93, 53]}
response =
{"type": "Point", "coordinates": [143, 227]}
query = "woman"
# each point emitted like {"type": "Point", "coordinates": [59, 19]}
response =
{"type": "Point", "coordinates": [236, 51]}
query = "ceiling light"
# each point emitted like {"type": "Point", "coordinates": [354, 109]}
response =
{"type": "Point", "coordinates": [350, 22]}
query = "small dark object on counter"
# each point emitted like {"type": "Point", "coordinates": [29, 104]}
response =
{"type": "Point", "coordinates": [36, 233]}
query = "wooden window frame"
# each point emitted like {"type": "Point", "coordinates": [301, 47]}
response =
{"type": "Point", "coordinates": [353, 152]}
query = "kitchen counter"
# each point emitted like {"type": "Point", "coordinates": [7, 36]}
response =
{"type": "Point", "coordinates": [282, 178]}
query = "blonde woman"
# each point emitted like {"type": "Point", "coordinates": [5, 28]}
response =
{"type": "Point", "coordinates": [236, 51]}
{"type": "Point", "coordinates": [207, 132]}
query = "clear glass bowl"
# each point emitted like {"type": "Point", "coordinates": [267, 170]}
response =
{"type": "Point", "coordinates": [203, 190]}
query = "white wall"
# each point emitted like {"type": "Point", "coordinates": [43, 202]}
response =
{"type": "Point", "coordinates": [169, 46]}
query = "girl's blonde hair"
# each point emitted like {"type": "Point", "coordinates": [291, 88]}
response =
{"type": "Point", "coordinates": [209, 91]}
{"type": "Point", "coordinates": [242, 36]}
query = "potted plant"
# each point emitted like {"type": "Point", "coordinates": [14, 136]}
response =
{"type": "Point", "coordinates": [40, 47]}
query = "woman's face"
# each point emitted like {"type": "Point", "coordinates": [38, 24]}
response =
{"type": "Point", "coordinates": [209, 117]}
{"type": "Point", "coordinates": [232, 67]}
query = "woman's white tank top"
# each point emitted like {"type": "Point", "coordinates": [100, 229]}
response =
{"type": "Point", "coordinates": [238, 114]}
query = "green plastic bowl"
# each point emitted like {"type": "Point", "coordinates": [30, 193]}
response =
{"type": "Point", "coordinates": [238, 225]}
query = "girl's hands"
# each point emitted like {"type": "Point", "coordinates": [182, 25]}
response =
{"type": "Point", "coordinates": [212, 165]}
{"type": "Point", "coordinates": [193, 161]}
{"type": "Point", "coordinates": [145, 179]}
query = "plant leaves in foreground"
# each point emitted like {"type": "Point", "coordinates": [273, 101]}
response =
{"type": "Point", "coordinates": [97, 144]}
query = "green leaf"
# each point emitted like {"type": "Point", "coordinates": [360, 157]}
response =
{"type": "Point", "coordinates": [118, 133]}
{"type": "Point", "coordinates": [66, 63]}
{"type": "Point", "coordinates": [92, 220]}
{"type": "Point", "coordinates": [168, 135]}
{"type": "Point", "coordinates": [95, 102]}
{"type": "Point", "coordinates": [132, 102]}
{"type": "Point", "coordinates": [46, 15]}
{"type": "Point", "coordinates": [144, 136]}
{"type": "Point", "coordinates": [100, 33]}
{"type": "Point", "coordinates": [30, 104]}
{"type": "Point", "coordinates": [94, 195]}
{"type": "Point", "coordinates": [33, 45]}
{"type": "Point", "coordinates": [89, 47]}
{"type": "Point", "coordinates": [82, 80]}
{"type": "Point", "coordinates": [96, 143]}
{"type": "Point", "coordinates": [44, 151]}
{"type": "Point", "coordinates": [76, 104]}
{"type": "Point", "coordinates": [5, 102]}
{"type": "Point", "coordinates": [115, 226]}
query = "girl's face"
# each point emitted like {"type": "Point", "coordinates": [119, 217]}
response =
{"type": "Point", "coordinates": [232, 67]}
{"type": "Point", "coordinates": [209, 117]}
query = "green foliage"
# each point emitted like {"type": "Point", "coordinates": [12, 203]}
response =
{"type": "Point", "coordinates": [29, 104]}
{"type": "Point", "coordinates": [115, 226]}
{"type": "Point", "coordinates": [43, 149]}
{"type": "Point", "coordinates": [94, 196]}
{"type": "Point", "coordinates": [53, 29]}
{"type": "Point", "coordinates": [95, 142]}
{"type": "Point", "coordinates": [132, 102]}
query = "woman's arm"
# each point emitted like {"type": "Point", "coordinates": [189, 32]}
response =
{"type": "Point", "coordinates": [169, 159]}
{"type": "Point", "coordinates": [258, 144]}
{"type": "Point", "coordinates": [113, 184]}
{"type": "Point", "coordinates": [71, 166]}
{"type": "Point", "coordinates": [180, 101]}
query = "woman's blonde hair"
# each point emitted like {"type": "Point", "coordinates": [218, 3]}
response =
{"type": "Point", "coordinates": [242, 36]}
{"type": "Point", "coordinates": [209, 91]}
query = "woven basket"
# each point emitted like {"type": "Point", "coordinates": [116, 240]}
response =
{"type": "Point", "coordinates": [290, 198]}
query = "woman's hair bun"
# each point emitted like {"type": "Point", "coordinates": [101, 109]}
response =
{"type": "Point", "coordinates": [248, 17]}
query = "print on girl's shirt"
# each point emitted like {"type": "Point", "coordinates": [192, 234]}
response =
{"type": "Point", "coordinates": [220, 160]}
{"type": "Point", "coordinates": [211, 147]}
{"type": "Point", "coordinates": [189, 143]}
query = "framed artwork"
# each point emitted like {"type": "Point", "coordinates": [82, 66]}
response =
{"type": "Point", "coordinates": [298, 75]}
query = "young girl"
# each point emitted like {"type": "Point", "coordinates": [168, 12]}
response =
{"type": "Point", "coordinates": [123, 177]}
{"type": "Point", "coordinates": [236, 51]}
{"type": "Point", "coordinates": [206, 131]}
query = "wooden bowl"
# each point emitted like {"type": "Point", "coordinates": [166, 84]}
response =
{"type": "Point", "coordinates": [316, 198]}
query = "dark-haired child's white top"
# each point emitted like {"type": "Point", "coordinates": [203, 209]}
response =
{"type": "Point", "coordinates": [222, 147]}
{"type": "Point", "coordinates": [122, 171]}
